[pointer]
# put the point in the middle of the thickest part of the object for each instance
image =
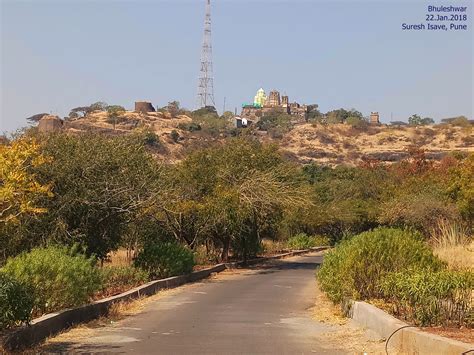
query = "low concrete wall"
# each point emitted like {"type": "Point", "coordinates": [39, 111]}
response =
{"type": "Point", "coordinates": [53, 323]}
{"type": "Point", "coordinates": [407, 340]}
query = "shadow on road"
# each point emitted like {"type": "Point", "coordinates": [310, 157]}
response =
{"type": "Point", "coordinates": [282, 265]}
{"type": "Point", "coordinates": [71, 347]}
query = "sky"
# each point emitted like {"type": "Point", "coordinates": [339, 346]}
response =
{"type": "Point", "coordinates": [56, 55]}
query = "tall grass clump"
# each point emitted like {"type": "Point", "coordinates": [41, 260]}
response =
{"type": "Point", "coordinates": [58, 277]}
{"type": "Point", "coordinates": [356, 267]}
{"type": "Point", "coordinates": [116, 279]}
{"type": "Point", "coordinates": [16, 302]}
{"type": "Point", "coordinates": [451, 243]}
{"type": "Point", "coordinates": [165, 259]}
{"type": "Point", "coordinates": [427, 298]}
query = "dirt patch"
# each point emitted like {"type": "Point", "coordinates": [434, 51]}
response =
{"type": "Point", "coordinates": [346, 335]}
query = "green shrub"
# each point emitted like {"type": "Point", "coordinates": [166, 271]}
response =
{"type": "Point", "coordinates": [431, 298]}
{"type": "Point", "coordinates": [118, 279]}
{"type": "Point", "coordinates": [165, 259]}
{"type": "Point", "coordinates": [58, 276]}
{"type": "Point", "coordinates": [174, 136]}
{"type": "Point", "coordinates": [303, 241]}
{"type": "Point", "coordinates": [16, 302]}
{"type": "Point", "coordinates": [191, 127]}
{"type": "Point", "coordinates": [355, 268]}
{"type": "Point", "coordinates": [246, 245]}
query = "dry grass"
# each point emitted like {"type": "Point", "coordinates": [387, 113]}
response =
{"type": "Point", "coordinates": [272, 247]}
{"type": "Point", "coordinates": [457, 256]}
{"type": "Point", "coordinates": [303, 138]}
{"type": "Point", "coordinates": [119, 258]}
{"type": "Point", "coordinates": [325, 311]}
{"type": "Point", "coordinates": [452, 244]}
{"type": "Point", "coordinates": [346, 335]}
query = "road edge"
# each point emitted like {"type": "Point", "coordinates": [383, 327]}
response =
{"type": "Point", "coordinates": [402, 336]}
{"type": "Point", "coordinates": [53, 323]}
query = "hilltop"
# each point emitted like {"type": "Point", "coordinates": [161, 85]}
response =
{"type": "Point", "coordinates": [304, 142]}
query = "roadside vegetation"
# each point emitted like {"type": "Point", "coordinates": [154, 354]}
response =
{"type": "Point", "coordinates": [70, 203]}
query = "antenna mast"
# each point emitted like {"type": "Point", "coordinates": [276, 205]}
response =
{"type": "Point", "coordinates": [205, 96]}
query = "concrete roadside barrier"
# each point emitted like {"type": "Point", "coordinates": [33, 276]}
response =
{"type": "Point", "coordinates": [53, 323]}
{"type": "Point", "coordinates": [403, 337]}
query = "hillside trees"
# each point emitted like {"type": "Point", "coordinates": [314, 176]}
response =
{"type": "Point", "coordinates": [83, 111]}
{"type": "Point", "coordinates": [227, 194]}
{"type": "Point", "coordinates": [22, 195]}
{"type": "Point", "coordinates": [100, 184]}
{"type": "Point", "coordinates": [416, 120]}
{"type": "Point", "coordinates": [35, 118]}
{"type": "Point", "coordinates": [341, 115]}
{"type": "Point", "coordinates": [346, 200]}
{"type": "Point", "coordinates": [461, 187]}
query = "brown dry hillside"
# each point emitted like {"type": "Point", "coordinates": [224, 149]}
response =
{"type": "Point", "coordinates": [305, 142]}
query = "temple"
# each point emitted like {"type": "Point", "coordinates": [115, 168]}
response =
{"type": "Point", "coordinates": [274, 102]}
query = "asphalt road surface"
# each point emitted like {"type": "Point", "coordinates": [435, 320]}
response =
{"type": "Point", "coordinates": [259, 311]}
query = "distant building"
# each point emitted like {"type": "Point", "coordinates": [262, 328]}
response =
{"type": "Point", "coordinates": [273, 98]}
{"type": "Point", "coordinates": [50, 123]}
{"type": "Point", "coordinates": [298, 110]}
{"type": "Point", "coordinates": [374, 118]}
{"type": "Point", "coordinates": [241, 122]}
{"type": "Point", "coordinates": [144, 107]}
{"type": "Point", "coordinates": [274, 102]}
{"type": "Point", "coordinates": [260, 99]}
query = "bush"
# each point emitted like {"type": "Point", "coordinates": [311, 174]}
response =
{"type": "Point", "coordinates": [118, 279]}
{"type": "Point", "coordinates": [16, 302]}
{"type": "Point", "coordinates": [59, 277]}
{"type": "Point", "coordinates": [191, 127]}
{"type": "Point", "coordinates": [303, 241]}
{"type": "Point", "coordinates": [174, 136]}
{"type": "Point", "coordinates": [356, 267]}
{"type": "Point", "coordinates": [165, 259]}
{"type": "Point", "coordinates": [431, 298]}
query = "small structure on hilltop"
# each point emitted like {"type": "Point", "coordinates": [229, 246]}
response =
{"type": "Point", "coordinates": [144, 107]}
{"type": "Point", "coordinates": [241, 122]}
{"type": "Point", "coordinates": [374, 118]}
{"type": "Point", "coordinates": [50, 123]}
{"type": "Point", "coordinates": [274, 102]}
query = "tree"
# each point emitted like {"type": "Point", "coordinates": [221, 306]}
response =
{"type": "Point", "coordinates": [341, 115]}
{"type": "Point", "coordinates": [173, 108]}
{"type": "Point", "coordinates": [81, 111]}
{"type": "Point", "coordinates": [228, 115]}
{"type": "Point", "coordinates": [22, 196]}
{"type": "Point", "coordinates": [414, 120]}
{"type": "Point", "coordinates": [100, 185]}
{"type": "Point", "coordinates": [427, 121]}
{"type": "Point", "coordinates": [226, 195]}
{"type": "Point", "coordinates": [37, 117]}
{"type": "Point", "coordinates": [113, 112]}
{"type": "Point", "coordinates": [98, 106]}
{"type": "Point", "coordinates": [275, 119]}
{"type": "Point", "coordinates": [205, 112]}
{"type": "Point", "coordinates": [461, 188]}
{"type": "Point", "coordinates": [73, 115]}
{"type": "Point", "coordinates": [313, 113]}
{"type": "Point", "coordinates": [357, 122]}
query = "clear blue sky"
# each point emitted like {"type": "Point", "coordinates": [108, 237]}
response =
{"type": "Point", "coordinates": [353, 54]}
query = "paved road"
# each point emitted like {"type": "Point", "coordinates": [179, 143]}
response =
{"type": "Point", "coordinates": [258, 311]}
